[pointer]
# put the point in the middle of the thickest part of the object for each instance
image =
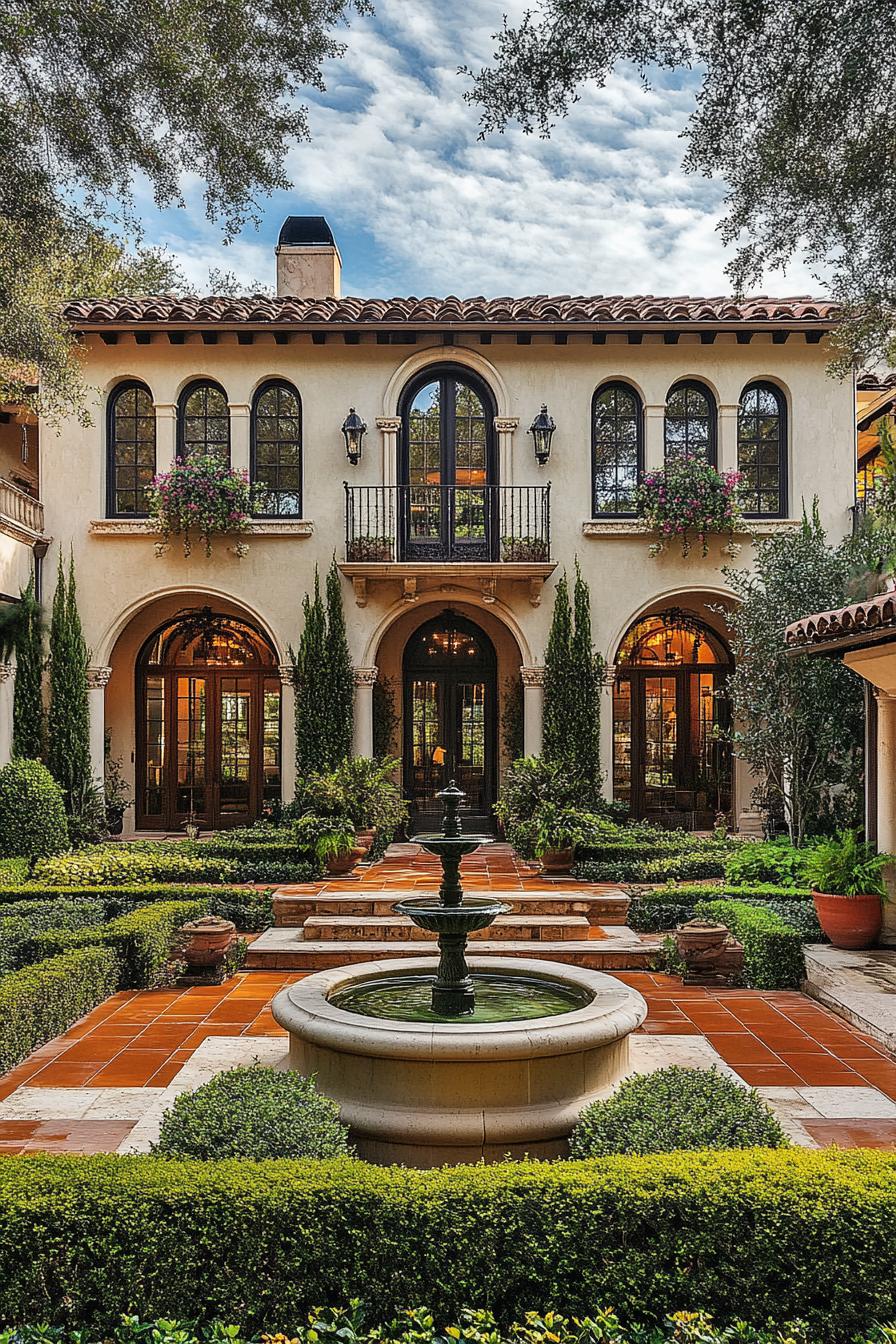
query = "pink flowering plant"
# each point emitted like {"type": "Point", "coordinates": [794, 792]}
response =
{"type": "Point", "coordinates": [201, 497]}
{"type": "Point", "coordinates": [687, 502]}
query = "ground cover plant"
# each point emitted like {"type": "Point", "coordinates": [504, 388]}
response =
{"type": "Point", "coordinates": [253, 1112]}
{"type": "Point", "coordinates": [766, 1234]}
{"type": "Point", "coordinates": [418, 1325]}
{"type": "Point", "coordinates": [673, 1109]}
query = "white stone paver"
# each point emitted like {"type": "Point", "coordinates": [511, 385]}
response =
{"type": "Point", "coordinates": [79, 1103]}
{"type": "Point", "coordinates": [849, 1103]}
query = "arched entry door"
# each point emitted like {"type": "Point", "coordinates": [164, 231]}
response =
{"type": "Point", "coordinates": [450, 719]}
{"type": "Point", "coordinates": [208, 723]}
{"type": "Point", "coordinates": [669, 764]}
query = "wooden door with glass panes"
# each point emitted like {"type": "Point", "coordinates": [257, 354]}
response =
{"type": "Point", "coordinates": [450, 716]}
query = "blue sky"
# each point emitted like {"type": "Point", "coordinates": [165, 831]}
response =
{"type": "Point", "coordinates": [420, 205]}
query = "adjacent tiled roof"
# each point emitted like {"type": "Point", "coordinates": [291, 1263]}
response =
{"type": "Point", "coordinates": [859, 618]}
{"type": "Point", "coordinates": [541, 308]}
{"type": "Point", "coordinates": [869, 381]}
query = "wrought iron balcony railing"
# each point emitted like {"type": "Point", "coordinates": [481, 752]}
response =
{"type": "Point", "coordinates": [448, 522]}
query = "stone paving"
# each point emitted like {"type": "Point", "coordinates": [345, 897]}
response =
{"type": "Point", "coordinates": [102, 1086]}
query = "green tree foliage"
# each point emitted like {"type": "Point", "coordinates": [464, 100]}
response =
{"type": "Point", "coordinates": [798, 720]}
{"type": "Point", "coordinates": [94, 98]}
{"type": "Point", "coordinates": [324, 682]}
{"type": "Point", "coordinates": [805, 143]}
{"type": "Point", "coordinates": [572, 678]}
{"type": "Point", "coordinates": [32, 814]}
{"type": "Point", "coordinates": [28, 705]}
{"type": "Point", "coordinates": [68, 745]}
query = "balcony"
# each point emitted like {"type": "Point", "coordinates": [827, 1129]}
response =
{"type": "Point", "coordinates": [21, 516]}
{"type": "Point", "coordinates": [419, 534]}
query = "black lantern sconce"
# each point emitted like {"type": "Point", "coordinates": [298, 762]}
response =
{"type": "Point", "coordinates": [353, 431]}
{"type": "Point", "coordinates": [542, 430]}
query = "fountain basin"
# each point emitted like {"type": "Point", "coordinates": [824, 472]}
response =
{"type": "Point", "coordinates": [451, 846]}
{"type": "Point", "coordinates": [474, 912]}
{"type": "Point", "coordinates": [430, 1093]}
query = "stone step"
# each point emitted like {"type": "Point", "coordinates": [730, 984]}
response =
{"type": "Point", "coordinates": [399, 929]}
{"type": "Point", "coordinates": [858, 986]}
{"type": "Point", "coordinates": [291, 909]}
{"type": "Point", "coordinates": [288, 950]}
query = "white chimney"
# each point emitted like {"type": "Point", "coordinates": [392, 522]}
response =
{"type": "Point", "coordinates": [308, 262]}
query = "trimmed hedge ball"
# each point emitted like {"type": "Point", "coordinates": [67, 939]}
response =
{"type": "Point", "coordinates": [32, 812]}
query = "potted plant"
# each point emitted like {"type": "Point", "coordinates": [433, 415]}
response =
{"type": "Point", "coordinates": [686, 502]}
{"type": "Point", "coordinates": [847, 881]}
{"type": "Point", "coordinates": [556, 833]}
{"type": "Point", "coordinates": [524, 548]}
{"type": "Point", "coordinates": [116, 794]}
{"type": "Point", "coordinates": [369, 548]}
{"type": "Point", "coordinates": [362, 789]}
{"type": "Point", "coordinates": [332, 840]}
{"type": "Point", "coordinates": [208, 940]}
{"type": "Point", "coordinates": [202, 497]}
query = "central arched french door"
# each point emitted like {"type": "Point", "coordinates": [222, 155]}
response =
{"type": "Point", "coordinates": [448, 471]}
{"type": "Point", "coordinates": [208, 724]}
{"type": "Point", "coordinates": [450, 719]}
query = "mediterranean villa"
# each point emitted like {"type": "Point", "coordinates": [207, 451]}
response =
{"type": "Point", "coordinates": [502, 439]}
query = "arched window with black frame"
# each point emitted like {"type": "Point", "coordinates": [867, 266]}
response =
{"type": "Point", "coordinates": [617, 449]}
{"type": "Point", "coordinates": [690, 423]}
{"type": "Point", "coordinates": [276, 449]}
{"type": "Point", "coordinates": [130, 450]}
{"type": "Point", "coordinates": [762, 450]}
{"type": "Point", "coordinates": [203, 422]}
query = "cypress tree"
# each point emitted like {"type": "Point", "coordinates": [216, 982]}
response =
{"type": "Point", "coordinates": [557, 678]}
{"type": "Point", "coordinates": [28, 706]}
{"type": "Point", "coordinates": [68, 753]}
{"type": "Point", "coordinates": [310, 674]}
{"type": "Point", "coordinates": [587, 675]}
{"type": "Point", "coordinates": [340, 675]}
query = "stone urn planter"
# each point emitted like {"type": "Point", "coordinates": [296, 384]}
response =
{"type": "Point", "coordinates": [850, 922]}
{"type": "Point", "coordinates": [364, 839]}
{"type": "Point", "coordinates": [208, 940]}
{"type": "Point", "coordinates": [339, 865]}
{"type": "Point", "coordinates": [710, 955]}
{"type": "Point", "coordinates": [699, 936]}
{"type": "Point", "coordinates": [557, 860]}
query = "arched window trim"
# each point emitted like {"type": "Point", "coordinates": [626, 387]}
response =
{"type": "Point", "coordinates": [193, 386]}
{"type": "Point", "coordinates": [712, 453]}
{"type": "Point", "coordinates": [766, 385]}
{"type": "Point", "coordinates": [611, 385]}
{"type": "Point", "coordinates": [129, 384]}
{"type": "Point", "coordinates": [459, 373]}
{"type": "Point", "coordinates": [268, 385]}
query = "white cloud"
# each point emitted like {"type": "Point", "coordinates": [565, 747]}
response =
{"type": "Point", "coordinates": [600, 207]}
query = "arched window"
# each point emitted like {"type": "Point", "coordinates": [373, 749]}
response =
{"type": "Point", "coordinates": [762, 451]}
{"type": "Point", "coordinates": [690, 427]}
{"type": "Point", "coordinates": [203, 422]}
{"type": "Point", "coordinates": [276, 453]}
{"type": "Point", "coordinates": [616, 448]}
{"type": "Point", "coordinates": [130, 450]}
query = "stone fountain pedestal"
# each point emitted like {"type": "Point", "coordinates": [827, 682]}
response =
{"type": "Point", "coordinates": [430, 1093]}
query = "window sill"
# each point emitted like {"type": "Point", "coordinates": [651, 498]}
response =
{"type": "Point", "coordinates": [632, 527]}
{"type": "Point", "coordinates": [141, 527]}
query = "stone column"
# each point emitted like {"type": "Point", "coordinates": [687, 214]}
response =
{"type": "Point", "coordinates": [505, 425]}
{"type": "Point", "coordinates": [654, 437]}
{"type": "Point", "coordinates": [365, 680]}
{"type": "Point", "coordinates": [97, 681]}
{"type": "Point", "coordinates": [239, 435]}
{"type": "Point", "coordinates": [166, 434]}
{"type": "Point", "coordinates": [886, 799]}
{"type": "Point", "coordinates": [287, 734]}
{"type": "Point", "coordinates": [389, 427]}
{"type": "Point", "coordinates": [727, 443]}
{"type": "Point", "coordinates": [533, 709]}
{"type": "Point", "coordinates": [7, 688]}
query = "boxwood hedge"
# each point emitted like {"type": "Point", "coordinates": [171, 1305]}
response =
{"type": "Point", "coordinates": [142, 940]}
{"type": "Point", "coordinates": [773, 949]}
{"type": "Point", "coordinates": [759, 1234]}
{"type": "Point", "coordinates": [251, 910]}
{"type": "Point", "coordinates": [40, 1002]}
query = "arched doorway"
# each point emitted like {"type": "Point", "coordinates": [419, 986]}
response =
{"type": "Point", "coordinates": [208, 723]}
{"type": "Point", "coordinates": [448, 467]}
{"type": "Point", "coordinates": [669, 764]}
{"type": "Point", "coordinates": [450, 718]}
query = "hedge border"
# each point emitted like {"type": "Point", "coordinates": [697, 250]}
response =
{"type": "Point", "coordinates": [773, 949]}
{"type": "Point", "coordinates": [251, 910]}
{"type": "Point", "coordinates": [42, 1001]}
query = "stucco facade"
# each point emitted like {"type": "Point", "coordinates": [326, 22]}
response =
{"type": "Point", "coordinates": [126, 591]}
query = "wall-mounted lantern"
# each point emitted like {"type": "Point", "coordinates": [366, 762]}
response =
{"type": "Point", "coordinates": [353, 431]}
{"type": "Point", "coordinates": [542, 430]}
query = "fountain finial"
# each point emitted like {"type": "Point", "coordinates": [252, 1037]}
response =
{"type": "Point", "coordinates": [453, 797]}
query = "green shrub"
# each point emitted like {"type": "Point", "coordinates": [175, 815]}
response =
{"type": "Point", "coordinates": [254, 1112]}
{"type": "Point", "coordinates": [19, 923]}
{"type": "Point", "coordinates": [417, 1325]}
{"type": "Point", "coordinates": [32, 812]}
{"type": "Point", "coordinates": [276, 871]}
{"type": "Point", "coordinates": [142, 940]}
{"type": "Point", "coordinates": [40, 1002]}
{"type": "Point", "coordinates": [773, 950]}
{"type": "Point", "coordinates": [672, 1109]}
{"type": "Point", "coordinates": [775, 861]}
{"type": "Point", "coordinates": [13, 872]}
{"type": "Point", "coordinates": [124, 864]}
{"type": "Point", "coordinates": [14, 934]}
{"type": "Point", "coordinates": [250, 910]}
{"type": "Point", "coordinates": [654, 911]}
{"type": "Point", "coordinates": [768, 1235]}
{"type": "Point", "coordinates": [687, 864]}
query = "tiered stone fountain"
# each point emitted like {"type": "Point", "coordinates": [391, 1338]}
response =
{"type": "Point", "coordinates": [461, 1059]}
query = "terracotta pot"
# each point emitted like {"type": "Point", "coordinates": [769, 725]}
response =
{"type": "Point", "coordinates": [698, 935]}
{"type": "Point", "coordinates": [208, 939]}
{"type": "Point", "coordinates": [849, 921]}
{"type": "Point", "coordinates": [557, 860]}
{"type": "Point", "coordinates": [338, 867]}
{"type": "Point", "coordinates": [364, 839]}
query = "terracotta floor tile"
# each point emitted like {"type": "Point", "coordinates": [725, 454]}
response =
{"type": "Point", "coordinates": [738, 1048]}
{"type": "Point", "coordinates": [170, 1034]}
{"type": "Point", "coordinates": [11, 1130]}
{"type": "Point", "coordinates": [818, 1071]}
{"type": "Point", "coordinates": [132, 1068]}
{"type": "Point", "coordinates": [853, 1133]}
{"type": "Point", "coordinates": [683, 1028]}
{"type": "Point", "coordinates": [166, 1074]}
{"type": "Point", "coordinates": [60, 1074]}
{"type": "Point", "coordinates": [767, 1075]}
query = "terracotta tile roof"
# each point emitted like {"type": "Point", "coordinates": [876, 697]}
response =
{"type": "Point", "coordinates": [869, 381]}
{"type": "Point", "coordinates": [859, 618]}
{"type": "Point", "coordinates": [543, 309]}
